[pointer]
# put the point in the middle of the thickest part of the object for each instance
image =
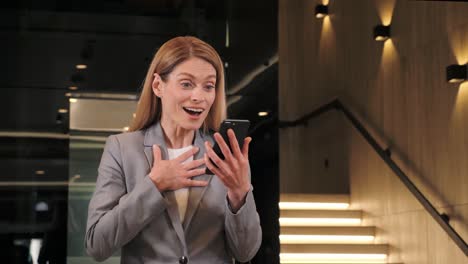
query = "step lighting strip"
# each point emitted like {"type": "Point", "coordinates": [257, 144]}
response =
{"type": "Point", "coordinates": [306, 239]}
{"type": "Point", "coordinates": [331, 258]}
{"type": "Point", "coordinates": [309, 206]}
{"type": "Point", "coordinates": [286, 221]}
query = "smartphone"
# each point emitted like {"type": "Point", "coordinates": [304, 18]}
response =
{"type": "Point", "coordinates": [240, 128]}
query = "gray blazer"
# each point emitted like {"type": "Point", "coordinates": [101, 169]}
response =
{"type": "Point", "coordinates": [127, 211]}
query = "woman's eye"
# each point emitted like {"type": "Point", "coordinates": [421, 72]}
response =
{"type": "Point", "coordinates": [186, 85]}
{"type": "Point", "coordinates": [210, 87]}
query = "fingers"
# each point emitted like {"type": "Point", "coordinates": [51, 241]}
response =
{"type": "Point", "coordinates": [245, 148]}
{"type": "Point", "coordinates": [193, 164]}
{"type": "Point", "coordinates": [156, 154]}
{"type": "Point", "coordinates": [195, 172]}
{"type": "Point", "coordinates": [190, 183]}
{"type": "Point", "coordinates": [187, 154]}
{"type": "Point", "coordinates": [234, 144]}
{"type": "Point", "coordinates": [222, 166]}
{"type": "Point", "coordinates": [223, 146]}
{"type": "Point", "coordinates": [211, 166]}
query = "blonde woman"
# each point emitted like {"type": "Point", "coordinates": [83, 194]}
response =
{"type": "Point", "coordinates": [153, 199]}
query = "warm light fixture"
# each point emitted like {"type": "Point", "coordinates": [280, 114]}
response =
{"type": "Point", "coordinates": [321, 11]}
{"type": "Point", "coordinates": [331, 258]}
{"type": "Point", "coordinates": [311, 206]}
{"type": "Point", "coordinates": [264, 113]}
{"type": "Point", "coordinates": [457, 73]}
{"type": "Point", "coordinates": [40, 172]}
{"type": "Point", "coordinates": [73, 100]}
{"type": "Point", "coordinates": [291, 221]}
{"type": "Point", "coordinates": [126, 128]}
{"type": "Point", "coordinates": [381, 32]}
{"type": "Point", "coordinates": [63, 110]}
{"type": "Point", "coordinates": [325, 239]}
{"type": "Point", "coordinates": [81, 66]}
{"type": "Point", "coordinates": [73, 88]}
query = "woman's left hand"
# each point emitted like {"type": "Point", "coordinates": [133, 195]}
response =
{"type": "Point", "coordinates": [233, 171]}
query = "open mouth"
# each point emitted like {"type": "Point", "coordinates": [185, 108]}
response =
{"type": "Point", "coordinates": [193, 111]}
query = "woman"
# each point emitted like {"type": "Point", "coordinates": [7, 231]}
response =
{"type": "Point", "coordinates": [153, 199]}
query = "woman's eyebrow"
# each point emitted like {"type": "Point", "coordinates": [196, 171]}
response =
{"type": "Point", "coordinates": [193, 77]}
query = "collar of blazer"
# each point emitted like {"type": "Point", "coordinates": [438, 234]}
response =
{"type": "Point", "coordinates": [154, 136]}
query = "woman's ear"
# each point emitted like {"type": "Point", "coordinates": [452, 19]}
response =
{"type": "Point", "coordinates": [157, 85]}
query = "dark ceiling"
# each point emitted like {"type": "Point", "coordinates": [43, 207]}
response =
{"type": "Point", "coordinates": [42, 41]}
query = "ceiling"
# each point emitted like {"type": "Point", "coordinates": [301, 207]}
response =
{"type": "Point", "coordinates": [42, 41]}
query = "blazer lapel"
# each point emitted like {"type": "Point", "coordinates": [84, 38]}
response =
{"type": "Point", "coordinates": [155, 136]}
{"type": "Point", "coordinates": [196, 193]}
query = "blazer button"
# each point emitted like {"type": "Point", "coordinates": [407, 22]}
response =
{"type": "Point", "coordinates": [183, 260]}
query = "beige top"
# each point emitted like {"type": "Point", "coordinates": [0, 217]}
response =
{"type": "Point", "coordinates": [181, 195]}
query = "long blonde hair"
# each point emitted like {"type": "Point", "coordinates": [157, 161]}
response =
{"type": "Point", "coordinates": [171, 54]}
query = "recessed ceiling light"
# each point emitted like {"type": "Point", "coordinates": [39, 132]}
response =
{"type": "Point", "coordinates": [73, 100]}
{"type": "Point", "coordinates": [68, 94]}
{"type": "Point", "coordinates": [73, 88]}
{"type": "Point", "coordinates": [63, 110]}
{"type": "Point", "coordinates": [81, 66]}
{"type": "Point", "coordinates": [40, 172]}
{"type": "Point", "coordinates": [264, 113]}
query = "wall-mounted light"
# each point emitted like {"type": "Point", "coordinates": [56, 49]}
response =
{"type": "Point", "coordinates": [381, 32]}
{"type": "Point", "coordinates": [321, 11]}
{"type": "Point", "coordinates": [81, 66]}
{"type": "Point", "coordinates": [457, 73]}
{"type": "Point", "coordinates": [263, 113]}
{"type": "Point", "coordinates": [73, 88]}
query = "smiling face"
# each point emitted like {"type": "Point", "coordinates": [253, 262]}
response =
{"type": "Point", "coordinates": [187, 94]}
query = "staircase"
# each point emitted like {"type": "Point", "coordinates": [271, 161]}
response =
{"type": "Point", "coordinates": [321, 229]}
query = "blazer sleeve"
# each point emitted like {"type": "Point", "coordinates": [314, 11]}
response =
{"type": "Point", "coordinates": [243, 231]}
{"type": "Point", "coordinates": [116, 216]}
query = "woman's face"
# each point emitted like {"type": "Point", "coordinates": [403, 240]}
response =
{"type": "Point", "coordinates": [187, 94]}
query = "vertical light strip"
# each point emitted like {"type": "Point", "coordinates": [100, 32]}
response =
{"type": "Point", "coordinates": [227, 34]}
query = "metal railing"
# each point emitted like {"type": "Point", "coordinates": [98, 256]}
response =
{"type": "Point", "coordinates": [385, 155]}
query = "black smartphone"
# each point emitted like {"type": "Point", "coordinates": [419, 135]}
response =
{"type": "Point", "coordinates": [240, 127]}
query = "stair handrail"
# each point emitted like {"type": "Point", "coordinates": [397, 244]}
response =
{"type": "Point", "coordinates": [385, 155]}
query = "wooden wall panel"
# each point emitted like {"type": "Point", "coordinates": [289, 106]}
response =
{"type": "Point", "coordinates": [399, 89]}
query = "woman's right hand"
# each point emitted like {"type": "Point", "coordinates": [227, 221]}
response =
{"type": "Point", "coordinates": [174, 174]}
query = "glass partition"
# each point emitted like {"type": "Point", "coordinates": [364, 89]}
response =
{"type": "Point", "coordinates": [91, 122]}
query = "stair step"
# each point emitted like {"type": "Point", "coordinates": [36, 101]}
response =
{"type": "Point", "coordinates": [320, 217]}
{"type": "Point", "coordinates": [336, 248]}
{"type": "Point", "coordinates": [327, 234]}
{"type": "Point", "coordinates": [303, 201]}
{"type": "Point", "coordinates": [333, 253]}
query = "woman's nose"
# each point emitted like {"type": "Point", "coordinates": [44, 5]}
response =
{"type": "Point", "coordinates": [197, 95]}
